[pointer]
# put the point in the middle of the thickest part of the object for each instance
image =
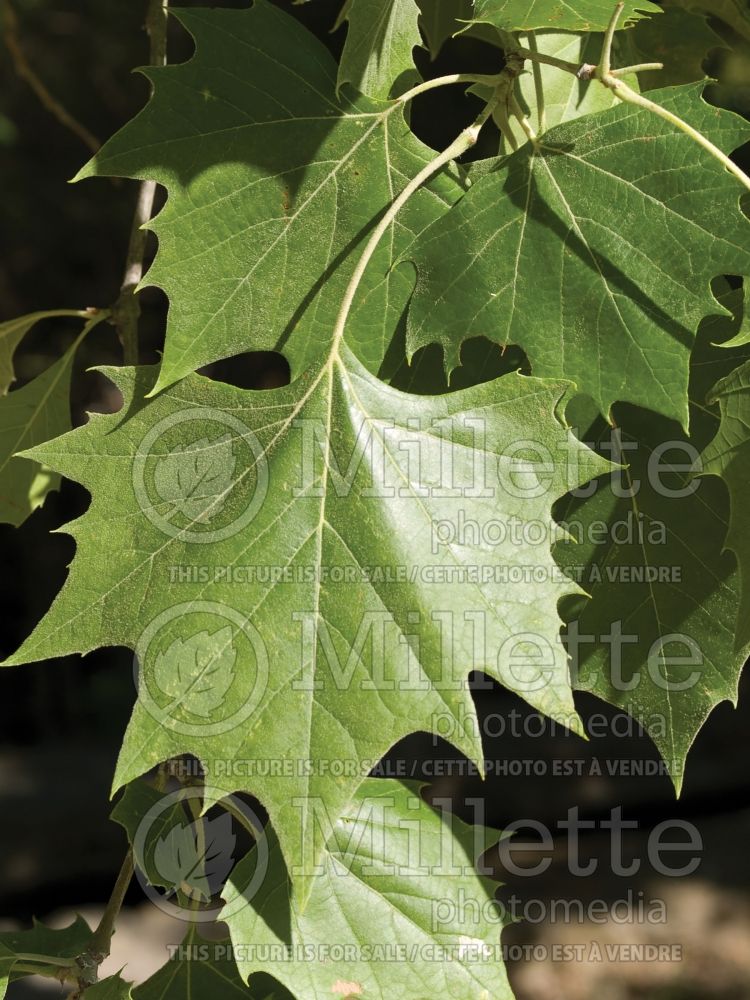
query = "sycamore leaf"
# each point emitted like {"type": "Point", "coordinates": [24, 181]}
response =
{"type": "Point", "coordinates": [565, 96]}
{"type": "Point", "coordinates": [440, 19]}
{"type": "Point", "coordinates": [657, 638]}
{"type": "Point", "coordinates": [377, 56]}
{"type": "Point", "coordinates": [356, 607]}
{"type": "Point", "coordinates": [576, 251]}
{"type": "Point", "coordinates": [273, 182]}
{"type": "Point", "coordinates": [68, 942]}
{"type": "Point", "coordinates": [732, 12]}
{"type": "Point", "coordinates": [201, 969]}
{"type": "Point", "coordinates": [394, 863]}
{"type": "Point", "coordinates": [138, 800]}
{"type": "Point", "coordinates": [728, 456]}
{"type": "Point", "coordinates": [31, 415]}
{"type": "Point", "coordinates": [12, 333]}
{"type": "Point", "coordinates": [679, 39]}
{"type": "Point", "coordinates": [562, 15]}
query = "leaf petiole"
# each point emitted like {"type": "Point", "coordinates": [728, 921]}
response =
{"type": "Point", "coordinates": [460, 145]}
{"type": "Point", "coordinates": [489, 80]}
{"type": "Point", "coordinates": [27, 956]}
{"type": "Point", "coordinates": [610, 79]}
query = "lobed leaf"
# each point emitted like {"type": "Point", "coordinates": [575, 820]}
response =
{"type": "Point", "coordinates": [274, 182]}
{"type": "Point", "coordinates": [562, 15]}
{"type": "Point", "coordinates": [394, 863]}
{"type": "Point", "coordinates": [594, 251]}
{"type": "Point", "coordinates": [355, 619]}
{"type": "Point", "coordinates": [377, 57]}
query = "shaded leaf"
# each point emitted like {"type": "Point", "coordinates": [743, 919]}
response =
{"type": "Point", "coordinates": [202, 970]}
{"type": "Point", "coordinates": [111, 988]}
{"type": "Point", "coordinates": [728, 456]}
{"type": "Point", "coordinates": [679, 39]}
{"type": "Point", "coordinates": [575, 250]}
{"type": "Point", "coordinates": [12, 333]}
{"type": "Point", "coordinates": [378, 49]}
{"type": "Point", "coordinates": [393, 863]}
{"type": "Point", "coordinates": [35, 413]}
{"type": "Point", "coordinates": [197, 857]}
{"type": "Point", "coordinates": [657, 637]}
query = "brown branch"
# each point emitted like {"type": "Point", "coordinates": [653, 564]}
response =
{"type": "Point", "coordinates": [127, 310]}
{"type": "Point", "coordinates": [25, 72]}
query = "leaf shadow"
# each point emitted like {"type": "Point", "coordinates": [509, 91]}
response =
{"type": "Point", "coordinates": [523, 190]}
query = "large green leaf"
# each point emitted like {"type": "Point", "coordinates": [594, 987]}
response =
{"type": "Point", "coordinates": [657, 637]}
{"type": "Point", "coordinates": [728, 456]}
{"type": "Point", "coordinates": [576, 250]}
{"type": "Point", "coordinates": [563, 15]}
{"type": "Point", "coordinates": [338, 488]}
{"type": "Point", "coordinates": [397, 909]}
{"type": "Point", "coordinates": [273, 184]}
{"type": "Point", "coordinates": [379, 42]}
{"type": "Point", "coordinates": [31, 415]}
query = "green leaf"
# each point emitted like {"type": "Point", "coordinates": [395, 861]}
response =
{"type": "Point", "coordinates": [12, 333]}
{"type": "Point", "coordinates": [335, 583]}
{"type": "Point", "coordinates": [728, 456]}
{"type": "Point", "coordinates": [137, 800]}
{"type": "Point", "coordinates": [657, 637]}
{"type": "Point", "coordinates": [377, 57]}
{"type": "Point", "coordinates": [575, 250]}
{"type": "Point", "coordinates": [736, 302]}
{"type": "Point", "coordinates": [440, 19]}
{"type": "Point", "coordinates": [392, 863]}
{"type": "Point", "coordinates": [565, 96]}
{"type": "Point", "coordinates": [16, 946]}
{"type": "Point", "coordinates": [679, 39]}
{"type": "Point", "coordinates": [201, 970]}
{"type": "Point", "coordinates": [732, 12]}
{"type": "Point", "coordinates": [29, 416]}
{"type": "Point", "coordinates": [581, 15]}
{"type": "Point", "coordinates": [273, 185]}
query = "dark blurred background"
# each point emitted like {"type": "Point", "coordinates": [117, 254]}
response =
{"type": "Point", "coordinates": [61, 722]}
